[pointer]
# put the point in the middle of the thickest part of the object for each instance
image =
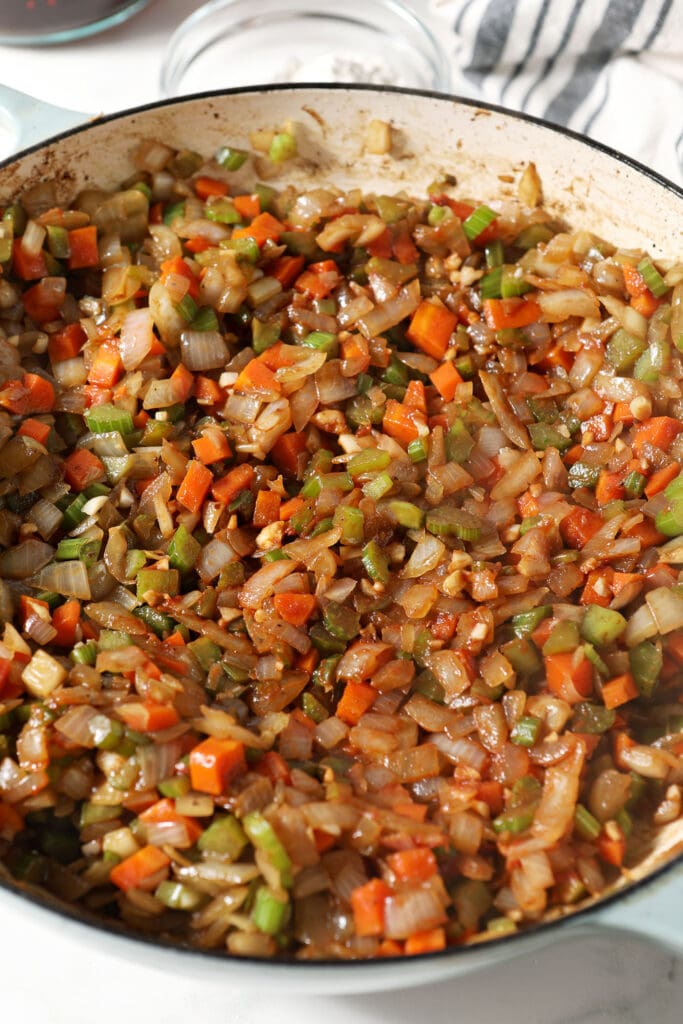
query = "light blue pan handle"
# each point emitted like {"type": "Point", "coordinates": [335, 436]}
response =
{"type": "Point", "coordinates": [33, 120]}
{"type": "Point", "coordinates": [653, 912]}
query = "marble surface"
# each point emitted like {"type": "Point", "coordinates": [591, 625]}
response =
{"type": "Point", "coordinates": [600, 980]}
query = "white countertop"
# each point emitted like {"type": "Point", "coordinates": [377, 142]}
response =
{"type": "Point", "coordinates": [48, 979]}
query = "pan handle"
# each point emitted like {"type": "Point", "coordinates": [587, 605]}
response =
{"type": "Point", "coordinates": [653, 912]}
{"type": "Point", "coordinates": [33, 120]}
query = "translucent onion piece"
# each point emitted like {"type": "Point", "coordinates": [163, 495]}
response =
{"type": "Point", "coordinates": [67, 578]}
{"type": "Point", "coordinates": [22, 561]}
{"type": "Point", "coordinates": [203, 350]}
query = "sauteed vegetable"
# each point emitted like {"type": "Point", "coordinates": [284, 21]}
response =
{"type": "Point", "coordinates": [340, 538]}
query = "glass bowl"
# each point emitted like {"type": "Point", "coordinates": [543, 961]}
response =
{"type": "Point", "coordinates": [230, 43]}
{"type": "Point", "coordinates": [32, 22]}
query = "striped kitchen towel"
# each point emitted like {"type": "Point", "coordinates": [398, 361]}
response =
{"type": "Point", "coordinates": [612, 69]}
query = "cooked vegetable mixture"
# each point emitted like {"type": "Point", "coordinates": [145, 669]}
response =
{"type": "Point", "coordinates": [340, 538]}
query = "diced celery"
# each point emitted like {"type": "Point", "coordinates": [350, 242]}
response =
{"type": "Point", "coordinates": [178, 896]}
{"type": "Point", "coordinates": [231, 158]}
{"type": "Point", "coordinates": [352, 521]}
{"type": "Point", "coordinates": [225, 835]}
{"type": "Point", "coordinates": [453, 522]}
{"type": "Point", "coordinates": [478, 221]}
{"type": "Point", "coordinates": [653, 279]}
{"type": "Point", "coordinates": [105, 419]}
{"type": "Point", "coordinates": [159, 581]}
{"type": "Point", "coordinates": [313, 708]}
{"type": "Point", "coordinates": [563, 638]}
{"type": "Point", "coordinates": [341, 622]}
{"type": "Point", "coordinates": [370, 460]}
{"type": "Point", "coordinates": [588, 827]}
{"type": "Point", "coordinates": [524, 623]}
{"type": "Point", "coordinates": [646, 661]}
{"type": "Point", "coordinates": [406, 514]}
{"type": "Point", "coordinates": [526, 731]}
{"type": "Point", "coordinates": [183, 550]}
{"type": "Point", "coordinates": [459, 442]}
{"type": "Point", "coordinates": [602, 626]}
{"type": "Point", "coordinates": [283, 147]}
{"type": "Point", "coordinates": [263, 837]}
{"type": "Point", "coordinates": [545, 436]}
{"type": "Point", "coordinates": [592, 718]}
{"type": "Point", "coordinates": [270, 911]}
{"type": "Point", "coordinates": [623, 349]}
{"type": "Point", "coordinates": [418, 450]}
{"type": "Point", "coordinates": [375, 563]}
{"type": "Point", "coordinates": [378, 487]}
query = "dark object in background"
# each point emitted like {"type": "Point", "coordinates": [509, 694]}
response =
{"type": "Point", "coordinates": [57, 21]}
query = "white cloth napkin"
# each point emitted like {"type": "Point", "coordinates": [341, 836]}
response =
{"type": "Point", "coordinates": [611, 69]}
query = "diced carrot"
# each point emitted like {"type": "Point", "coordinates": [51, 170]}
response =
{"type": "Point", "coordinates": [413, 865]}
{"type": "Point", "coordinates": [404, 248]}
{"type": "Point", "coordinates": [401, 422]}
{"type": "Point", "coordinates": [248, 206]}
{"type": "Point", "coordinates": [287, 451]}
{"type": "Point", "coordinates": [444, 626]}
{"type": "Point", "coordinates": [389, 947]}
{"type": "Point", "coordinates": [264, 227]}
{"type": "Point", "coordinates": [642, 298]}
{"type": "Point", "coordinates": [598, 587]}
{"type": "Point", "coordinates": [557, 357]}
{"type": "Point", "coordinates": [619, 690]}
{"type": "Point", "coordinates": [204, 187]}
{"type": "Point", "coordinates": [416, 812]}
{"type": "Point", "coordinates": [431, 327]}
{"type": "Point", "coordinates": [579, 526]}
{"type": "Point", "coordinates": [609, 487]}
{"type": "Point", "coordinates": [273, 766]}
{"type": "Point", "coordinates": [26, 266]}
{"type": "Point", "coordinates": [542, 631]}
{"type": "Point", "coordinates": [134, 871]}
{"type": "Point", "coordinates": [11, 822]}
{"type": "Point", "coordinates": [65, 619]}
{"type": "Point", "coordinates": [574, 454]}
{"type": "Point", "coordinates": [291, 507]}
{"type": "Point", "coordinates": [295, 608]}
{"type": "Point", "coordinates": [308, 661]}
{"type": "Point", "coordinates": [569, 677]}
{"type": "Point", "coordinates": [319, 279]}
{"type": "Point", "coordinates": [195, 486]}
{"type": "Point", "coordinates": [106, 368]}
{"type": "Point", "coordinates": [381, 247]}
{"type": "Point", "coordinates": [612, 847]}
{"type": "Point", "coordinates": [367, 904]}
{"type": "Point", "coordinates": [276, 357]}
{"type": "Point", "coordinates": [211, 446]}
{"type": "Point", "coordinates": [355, 354]}
{"type": "Point", "coordinates": [175, 639]}
{"type": "Point", "coordinates": [661, 478]}
{"type": "Point", "coordinates": [183, 382]}
{"type": "Point", "coordinates": [83, 468]}
{"type": "Point", "coordinates": [323, 840]}
{"type": "Point", "coordinates": [267, 508]}
{"type": "Point", "coordinates": [528, 506]}
{"type": "Point", "coordinates": [229, 486]}
{"type": "Point", "coordinates": [66, 343]}
{"type": "Point", "coordinates": [415, 396]}
{"type": "Point", "coordinates": [446, 379]}
{"type": "Point", "coordinates": [31, 394]}
{"type": "Point", "coordinates": [197, 244]}
{"type": "Point", "coordinates": [622, 413]}
{"type": "Point", "coordinates": [156, 213]}
{"type": "Point", "coordinates": [42, 303]}
{"type": "Point", "coordinates": [356, 699]}
{"type": "Point", "coordinates": [214, 762]}
{"type": "Point", "coordinates": [491, 792]}
{"type": "Point", "coordinates": [178, 266]}
{"type": "Point", "coordinates": [430, 941]}
{"type": "Point", "coordinates": [36, 429]}
{"type": "Point", "coordinates": [625, 579]}
{"type": "Point", "coordinates": [83, 248]}
{"type": "Point", "coordinates": [207, 391]}
{"type": "Point", "coordinates": [286, 269]}
{"type": "Point", "coordinates": [257, 377]}
{"type": "Point", "coordinates": [149, 716]}
{"type": "Point", "coordinates": [646, 532]}
{"type": "Point", "coordinates": [501, 314]}
{"type": "Point", "coordinates": [658, 431]}
{"type": "Point", "coordinates": [164, 811]}
{"type": "Point", "coordinates": [599, 426]}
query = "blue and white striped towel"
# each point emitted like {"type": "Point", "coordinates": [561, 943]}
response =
{"type": "Point", "coordinates": [612, 69]}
